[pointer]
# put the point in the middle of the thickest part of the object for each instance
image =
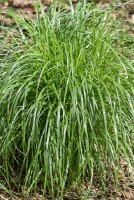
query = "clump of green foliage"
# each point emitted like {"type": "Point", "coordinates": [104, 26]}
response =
{"type": "Point", "coordinates": [66, 106]}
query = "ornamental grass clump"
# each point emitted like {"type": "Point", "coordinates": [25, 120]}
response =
{"type": "Point", "coordinates": [66, 106]}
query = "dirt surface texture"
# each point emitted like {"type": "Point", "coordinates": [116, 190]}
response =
{"type": "Point", "coordinates": [124, 11]}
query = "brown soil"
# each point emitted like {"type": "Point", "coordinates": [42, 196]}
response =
{"type": "Point", "coordinates": [124, 12]}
